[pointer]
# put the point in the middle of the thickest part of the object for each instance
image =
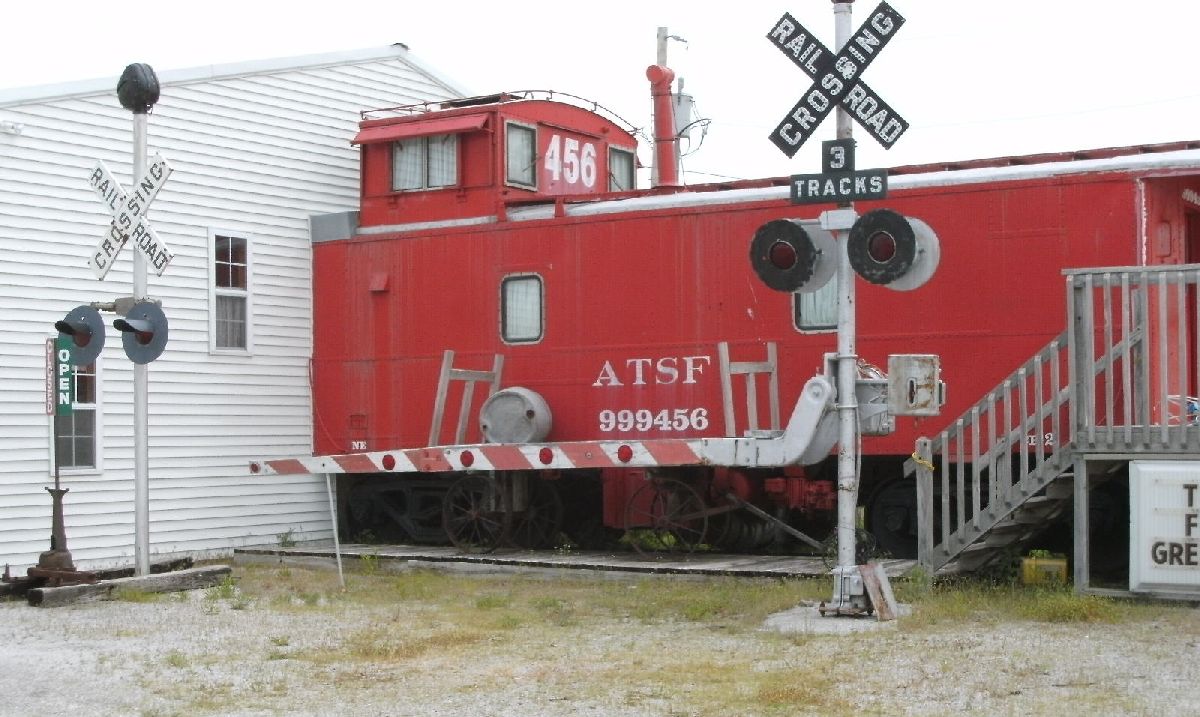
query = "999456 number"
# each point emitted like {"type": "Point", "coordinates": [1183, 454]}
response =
{"type": "Point", "coordinates": [643, 420]}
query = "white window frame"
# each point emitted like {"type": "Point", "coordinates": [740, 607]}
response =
{"type": "Point", "coordinates": [632, 168]}
{"type": "Point", "coordinates": [830, 288]}
{"type": "Point", "coordinates": [214, 291]}
{"type": "Point", "coordinates": [533, 159]}
{"type": "Point", "coordinates": [424, 142]}
{"type": "Point", "coordinates": [541, 309]}
{"type": "Point", "coordinates": [93, 471]}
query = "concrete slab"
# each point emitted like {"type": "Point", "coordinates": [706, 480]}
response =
{"type": "Point", "coordinates": [806, 619]}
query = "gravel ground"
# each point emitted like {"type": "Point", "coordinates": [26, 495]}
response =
{"type": "Point", "coordinates": [191, 654]}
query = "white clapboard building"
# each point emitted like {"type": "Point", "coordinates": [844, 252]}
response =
{"type": "Point", "coordinates": [256, 148]}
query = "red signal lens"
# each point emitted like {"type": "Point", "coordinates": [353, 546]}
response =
{"type": "Point", "coordinates": [782, 255]}
{"type": "Point", "coordinates": [625, 454]}
{"type": "Point", "coordinates": [389, 462]}
{"type": "Point", "coordinates": [881, 247]}
{"type": "Point", "coordinates": [467, 458]}
{"type": "Point", "coordinates": [546, 456]}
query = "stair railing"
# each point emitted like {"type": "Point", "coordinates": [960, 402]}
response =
{"type": "Point", "coordinates": [992, 457]}
{"type": "Point", "coordinates": [1121, 379]}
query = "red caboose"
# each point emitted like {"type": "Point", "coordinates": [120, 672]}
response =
{"type": "Point", "coordinates": [500, 243]}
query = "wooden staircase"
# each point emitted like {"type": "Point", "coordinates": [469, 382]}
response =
{"type": "Point", "coordinates": [1004, 472]}
{"type": "Point", "coordinates": [1115, 384]}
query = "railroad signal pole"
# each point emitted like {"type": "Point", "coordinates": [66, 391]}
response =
{"type": "Point", "coordinates": [138, 91]}
{"type": "Point", "coordinates": [837, 84]}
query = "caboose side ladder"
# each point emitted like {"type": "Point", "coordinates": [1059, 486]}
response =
{"type": "Point", "coordinates": [1115, 385]}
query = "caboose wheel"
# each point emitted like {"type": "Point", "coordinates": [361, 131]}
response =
{"type": "Point", "coordinates": [666, 515]}
{"type": "Point", "coordinates": [538, 525]}
{"type": "Point", "coordinates": [474, 515]}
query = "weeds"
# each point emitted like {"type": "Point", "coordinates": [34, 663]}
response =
{"type": "Point", "coordinates": [287, 539]}
{"type": "Point", "coordinates": [656, 646]}
{"type": "Point", "coordinates": [127, 594]}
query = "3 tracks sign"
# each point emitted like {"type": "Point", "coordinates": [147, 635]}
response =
{"type": "Point", "coordinates": [837, 82]}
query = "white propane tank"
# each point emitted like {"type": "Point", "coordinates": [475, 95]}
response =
{"type": "Point", "coordinates": [514, 415]}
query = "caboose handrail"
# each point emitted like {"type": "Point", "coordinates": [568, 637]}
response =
{"type": "Point", "coordinates": [1131, 366]}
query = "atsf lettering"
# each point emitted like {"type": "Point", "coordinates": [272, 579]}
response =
{"type": "Point", "coordinates": [661, 371]}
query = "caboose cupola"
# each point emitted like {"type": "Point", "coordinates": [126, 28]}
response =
{"type": "Point", "coordinates": [467, 160]}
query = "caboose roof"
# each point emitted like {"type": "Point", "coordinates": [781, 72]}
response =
{"type": "Point", "coordinates": [1170, 158]}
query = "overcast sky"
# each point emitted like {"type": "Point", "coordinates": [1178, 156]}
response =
{"type": "Point", "coordinates": [973, 78]}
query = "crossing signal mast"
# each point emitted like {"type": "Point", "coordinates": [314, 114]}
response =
{"type": "Point", "coordinates": [142, 322]}
{"type": "Point", "coordinates": [883, 247]}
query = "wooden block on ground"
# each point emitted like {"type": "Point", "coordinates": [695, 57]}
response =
{"type": "Point", "coordinates": [191, 579]}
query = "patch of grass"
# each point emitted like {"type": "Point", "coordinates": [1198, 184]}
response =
{"type": "Point", "coordinates": [490, 602]}
{"type": "Point", "coordinates": [126, 594]}
{"type": "Point", "coordinates": [368, 563]}
{"type": "Point", "coordinates": [287, 539]}
{"type": "Point", "coordinates": [745, 603]}
{"type": "Point", "coordinates": [224, 590]}
{"type": "Point", "coordinates": [507, 621]}
{"type": "Point", "coordinates": [382, 645]}
{"type": "Point", "coordinates": [988, 602]}
{"type": "Point", "coordinates": [1063, 605]}
{"type": "Point", "coordinates": [176, 659]}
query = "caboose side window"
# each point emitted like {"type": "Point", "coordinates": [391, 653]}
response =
{"type": "Point", "coordinates": [425, 162]}
{"type": "Point", "coordinates": [817, 311]}
{"type": "Point", "coordinates": [521, 309]}
{"type": "Point", "coordinates": [520, 155]}
{"type": "Point", "coordinates": [620, 170]}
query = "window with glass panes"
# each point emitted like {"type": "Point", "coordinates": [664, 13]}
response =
{"type": "Point", "coordinates": [425, 162]}
{"type": "Point", "coordinates": [521, 319]}
{"type": "Point", "coordinates": [231, 270]}
{"type": "Point", "coordinates": [75, 435]}
{"type": "Point", "coordinates": [620, 170]}
{"type": "Point", "coordinates": [817, 310]}
{"type": "Point", "coordinates": [520, 154]}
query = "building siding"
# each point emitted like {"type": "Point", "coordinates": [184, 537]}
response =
{"type": "Point", "coordinates": [254, 154]}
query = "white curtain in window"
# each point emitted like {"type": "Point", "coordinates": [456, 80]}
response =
{"type": "Point", "coordinates": [818, 310]}
{"type": "Point", "coordinates": [522, 309]}
{"type": "Point", "coordinates": [408, 164]}
{"type": "Point", "coordinates": [231, 322]}
{"type": "Point", "coordinates": [443, 160]}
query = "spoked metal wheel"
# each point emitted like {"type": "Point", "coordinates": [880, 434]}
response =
{"type": "Point", "coordinates": [666, 515]}
{"type": "Point", "coordinates": [474, 514]}
{"type": "Point", "coordinates": [538, 513]}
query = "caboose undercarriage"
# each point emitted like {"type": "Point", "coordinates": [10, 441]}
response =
{"type": "Point", "coordinates": [675, 510]}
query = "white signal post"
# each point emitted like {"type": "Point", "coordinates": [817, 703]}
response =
{"type": "Point", "coordinates": [837, 84]}
{"type": "Point", "coordinates": [847, 374]}
{"type": "Point", "coordinates": [137, 91]}
{"type": "Point", "coordinates": [141, 383]}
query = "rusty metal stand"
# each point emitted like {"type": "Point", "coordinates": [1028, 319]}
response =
{"type": "Point", "coordinates": [55, 566]}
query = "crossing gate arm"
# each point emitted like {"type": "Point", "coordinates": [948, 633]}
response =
{"type": "Point", "coordinates": [780, 450]}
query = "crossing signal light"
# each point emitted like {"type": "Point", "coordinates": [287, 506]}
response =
{"type": "Point", "coordinates": [85, 330]}
{"type": "Point", "coordinates": [143, 332]}
{"type": "Point", "coordinates": [893, 250]}
{"type": "Point", "coordinates": [793, 255]}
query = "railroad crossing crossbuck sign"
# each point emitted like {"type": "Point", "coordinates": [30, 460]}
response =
{"type": "Point", "coordinates": [129, 217]}
{"type": "Point", "coordinates": [836, 80]}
